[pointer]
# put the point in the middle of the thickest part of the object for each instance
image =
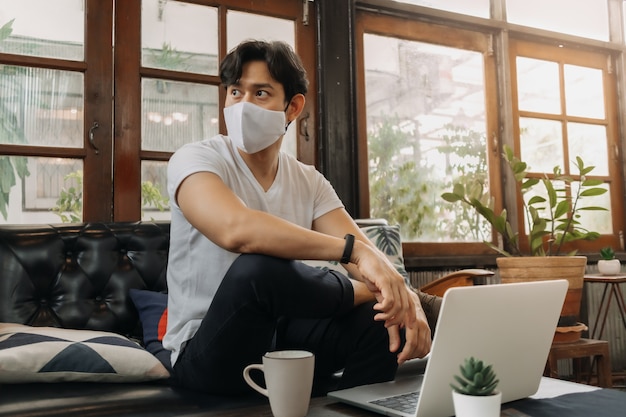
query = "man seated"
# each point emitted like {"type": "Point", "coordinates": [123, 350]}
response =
{"type": "Point", "coordinates": [243, 214]}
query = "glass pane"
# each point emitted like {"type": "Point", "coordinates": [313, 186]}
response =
{"type": "Point", "coordinates": [179, 36]}
{"type": "Point", "coordinates": [541, 144]}
{"type": "Point", "coordinates": [175, 113]}
{"type": "Point", "coordinates": [587, 18]}
{"type": "Point", "coordinates": [242, 26]}
{"type": "Point", "coordinates": [41, 107]}
{"type": "Point", "coordinates": [426, 130]}
{"type": "Point", "coordinates": [53, 29]}
{"type": "Point", "coordinates": [584, 92]}
{"type": "Point", "coordinates": [41, 190]}
{"type": "Point", "coordinates": [538, 86]}
{"type": "Point", "coordinates": [154, 199]}
{"type": "Point", "coordinates": [478, 8]}
{"type": "Point", "coordinates": [598, 221]}
{"type": "Point", "coordinates": [590, 143]}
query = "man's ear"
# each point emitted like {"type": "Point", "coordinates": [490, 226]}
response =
{"type": "Point", "coordinates": [295, 107]}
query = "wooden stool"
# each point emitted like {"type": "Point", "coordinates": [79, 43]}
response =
{"type": "Point", "coordinates": [582, 348]}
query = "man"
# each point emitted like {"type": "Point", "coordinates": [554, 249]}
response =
{"type": "Point", "coordinates": [243, 213]}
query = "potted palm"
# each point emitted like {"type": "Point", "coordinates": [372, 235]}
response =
{"type": "Point", "coordinates": [474, 394]}
{"type": "Point", "coordinates": [553, 221]}
{"type": "Point", "coordinates": [608, 265]}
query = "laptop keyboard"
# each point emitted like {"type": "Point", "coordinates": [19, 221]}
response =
{"type": "Point", "coordinates": [406, 403]}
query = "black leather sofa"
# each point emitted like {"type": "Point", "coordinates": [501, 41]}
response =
{"type": "Point", "coordinates": [78, 276]}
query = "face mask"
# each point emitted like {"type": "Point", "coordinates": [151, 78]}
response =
{"type": "Point", "coordinates": [253, 128]}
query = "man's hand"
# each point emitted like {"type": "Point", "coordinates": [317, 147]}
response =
{"type": "Point", "coordinates": [395, 303]}
{"type": "Point", "coordinates": [418, 336]}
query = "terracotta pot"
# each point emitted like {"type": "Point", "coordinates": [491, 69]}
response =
{"type": "Point", "coordinates": [541, 268]}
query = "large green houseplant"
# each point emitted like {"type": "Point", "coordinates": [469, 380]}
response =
{"type": "Point", "coordinates": [553, 220]}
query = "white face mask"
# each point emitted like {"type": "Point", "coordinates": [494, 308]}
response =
{"type": "Point", "coordinates": [253, 128]}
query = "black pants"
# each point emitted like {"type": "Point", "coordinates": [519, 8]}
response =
{"type": "Point", "coordinates": [267, 303]}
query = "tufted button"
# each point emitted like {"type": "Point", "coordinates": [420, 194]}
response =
{"type": "Point", "coordinates": [43, 302]}
{"type": "Point", "coordinates": [99, 298]}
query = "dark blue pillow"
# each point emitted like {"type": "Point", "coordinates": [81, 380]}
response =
{"type": "Point", "coordinates": [152, 309]}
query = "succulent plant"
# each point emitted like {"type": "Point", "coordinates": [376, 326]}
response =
{"type": "Point", "coordinates": [475, 378]}
{"type": "Point", "coordinates": [607, 253]}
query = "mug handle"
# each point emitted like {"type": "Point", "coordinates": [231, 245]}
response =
{"type": "Point", "coordinates": [246, 376]}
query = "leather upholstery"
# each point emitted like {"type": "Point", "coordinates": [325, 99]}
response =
{"type": "Point", "coordinates": [78, 276]}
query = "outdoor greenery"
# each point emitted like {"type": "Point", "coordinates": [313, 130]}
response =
{"type": "Point", "coordinates": [406, 192]}
{"type": "Point", "coordinates": [69, 205]}
{"type": "Point", "coordinates": [466, 153]}
{"type": "Point", "coordinates": [552, 220]}
{"type": "Point", "coordinates": [169, 58]}
{"type": "Point", "coordinates": [398, 189]}
{"type": "Point", "coordinates": [11, 129]}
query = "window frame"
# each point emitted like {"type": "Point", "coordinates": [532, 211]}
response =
{"type": "Point", "coordinates": [415, 30]}
{"type": "Point", "coordinates": [604, 61]}
{"type": "Point", "coordinates": [112, 99]}
{"type": "Point", "coordinates": [129, 155]}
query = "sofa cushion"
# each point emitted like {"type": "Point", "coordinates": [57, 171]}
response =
{"type": "Point", "coordinates": [386, 238]}
{"type": "Point", "coordinates": [50, 354]}
{"type": "Point", "coordinates": [152, 309]}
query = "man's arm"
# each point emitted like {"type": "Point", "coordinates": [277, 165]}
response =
{"type": "Point", "coordinates": [418, 334]}
{"type": "Point", "coordinates": [212, 208]}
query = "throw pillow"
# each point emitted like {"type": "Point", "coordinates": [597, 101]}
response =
{"type": "Point", "coordinates": [50, 354]}
{"type": "Point", "coordinates": [152, 309]}
{"type": "Point", "coordinates": [386, 238]}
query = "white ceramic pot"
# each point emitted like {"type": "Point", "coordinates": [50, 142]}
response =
{"type": "Point", "coordinates": [609, 267]}
{"type": "Point", "coordinates": [477, 405]}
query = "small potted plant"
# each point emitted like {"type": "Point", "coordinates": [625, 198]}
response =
{"type": "Point", "coordinates": [608, 265]}
{"type": "Point", "coordinates": [474, 393]}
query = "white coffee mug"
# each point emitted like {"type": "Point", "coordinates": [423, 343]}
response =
{"type": "Point", "coordinates": [289, 379]}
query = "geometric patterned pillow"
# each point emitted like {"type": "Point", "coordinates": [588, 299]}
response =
{"type": "Point", "coordinates": [50, 354]}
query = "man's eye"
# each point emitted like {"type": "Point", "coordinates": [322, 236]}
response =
{"type": "Point", "coordinates": [235, 93]}
{"type": "Point", "coordinates": [261, 93]}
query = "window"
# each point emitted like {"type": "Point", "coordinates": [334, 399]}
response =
{"type": "Point", "coordinates": [435, 110]}
{"type": "Point", "coordinates": [470, 7]}
{"type": "Point", "coordinates": [589, 18]}
{"type": "Point", "coordinates": [429, 111]}
{"type": "Point", "coordinates": [564, 107]}
{"type": "Point", "coordinates": [66, 154]}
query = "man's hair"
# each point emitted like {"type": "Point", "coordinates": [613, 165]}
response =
{"type": "Point", "coordinates": [283, 64]}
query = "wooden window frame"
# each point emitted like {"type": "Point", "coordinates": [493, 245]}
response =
{"type": "Point", "coordinates": [604, 61]}
{"type": "Point", "coordinates": [446, 36]}
{"type": "Point", "coordinates": [129, 155]}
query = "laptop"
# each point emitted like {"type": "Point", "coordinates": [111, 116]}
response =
{"type": "Point", "coordinates": [508, 325]}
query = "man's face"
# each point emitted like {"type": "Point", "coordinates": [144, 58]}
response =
{"type": "Point", "coordinates": [256, 86]}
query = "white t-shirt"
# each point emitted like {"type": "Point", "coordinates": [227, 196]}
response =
{"type": "Point", "coordinates": [196, 266]}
